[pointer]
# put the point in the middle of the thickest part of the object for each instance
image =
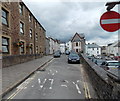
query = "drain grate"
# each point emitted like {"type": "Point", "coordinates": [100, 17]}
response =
{"type": "Point", "coordinates": [41, 70]}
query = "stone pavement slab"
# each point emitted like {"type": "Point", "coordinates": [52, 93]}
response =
{"type": "Point", "coordinates": [13, 74]}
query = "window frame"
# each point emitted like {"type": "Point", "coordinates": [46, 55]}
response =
{"type": "Point", "coordinates": [21, 28]}
{"type": "Point", "coordinates": [30, 17]}
{"type": "Point", "coordinates": [36, 49]}
{"type": "Point", "coordinates": [30, 33]}
{"type": "Point", "coordinates": [76, 43]}
{"type": "Point", "coordinates": [8, 46]}
{"type": "Point", "coordinates": [36, 36]}
{"type": "Point", "coordinates": [22, 47]}
{"type": "Point", "coordinates": [21, 9]}
{"type": "Point", "coordinates": [5, 17]}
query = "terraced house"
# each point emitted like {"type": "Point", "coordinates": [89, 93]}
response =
{"type": "Point", "coordinates": [23, 37]}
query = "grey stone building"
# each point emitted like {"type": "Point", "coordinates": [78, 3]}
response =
{"type": "Point", "coordinates": [78, 43]}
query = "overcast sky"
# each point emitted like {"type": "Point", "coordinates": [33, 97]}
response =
{"type": "Point", "coordinates": [63, 19]}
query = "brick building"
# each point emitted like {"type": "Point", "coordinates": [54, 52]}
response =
{"type": "Point", "coordinates": [22, 34]}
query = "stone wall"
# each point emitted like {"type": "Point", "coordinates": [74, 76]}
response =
{"type": "Point", "coordinates": [17, 59]}
{"type": "Point", "coordinates": [105, 86]}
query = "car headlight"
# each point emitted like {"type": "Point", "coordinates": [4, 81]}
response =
{"type": "Point", "coordinates": [78, 59]}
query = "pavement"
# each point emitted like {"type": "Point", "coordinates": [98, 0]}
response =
{"type": "Point", "coordinates": [14, 75]}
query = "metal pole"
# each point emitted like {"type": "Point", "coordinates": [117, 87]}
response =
{"type": "Point", "coordinates": [111, 5]}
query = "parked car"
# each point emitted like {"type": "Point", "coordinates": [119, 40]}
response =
{"type": "Point", "coordinates": [73, 58]}
{"type": "Point", "coordinates": [99, 61]}
{"type": "Point", "coordinates": [117, 58]}
{"type": "Point", "coordinates": [56, 54]}
{"type": "Point", "coordinates": [111, 65]}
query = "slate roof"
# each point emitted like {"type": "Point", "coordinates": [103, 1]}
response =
{"type": "Point", "coordinates": [79, 38]}
{"type": "Point", "coordinates": [93, 46]}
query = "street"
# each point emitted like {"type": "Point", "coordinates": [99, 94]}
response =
{"type": "Point", "coordinates": [58, 80]}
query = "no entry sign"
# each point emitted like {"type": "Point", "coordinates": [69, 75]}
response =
{"type": "Point", "coordinates": [110, 21]}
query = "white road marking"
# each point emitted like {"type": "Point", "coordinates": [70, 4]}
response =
{"type": "Point", "coordinates": [66, 81]}
{"type": "Point", "coordinates": [63, 85]}
{"type": "Point", "coordinates": [41, 86]}
{"type": "Point", "coordinates": [52, 80]}
{"type": "Point", "coordinates": [78, 81]}
{"type": "Point", "coordinates": [44, 81]}
{"type": "Point", "coordinates": [25, 87]}
{"type": "Point", "coordinates": [39, 81]}
{"type": "Point", "coordinates": [53, 74]}
{"type": "Point", "coordinates": [38, 72]}
{"type": "Point", "coordinates": [56, 71]}
{"type": "Point", "coordinates": [32, 85]}
{"type": "Point", "coordinates": [78, 89]}
{"type": "Point", "coordinates": [74, 83]}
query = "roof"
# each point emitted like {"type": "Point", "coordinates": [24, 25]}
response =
{"type": "Point", "coordinates": [32, 14]}
{"type": "Point", "coordinates": [80, 37]}
{"type": "Point", "coordinates": [92, 46]}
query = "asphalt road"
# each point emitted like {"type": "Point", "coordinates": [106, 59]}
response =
{"type": "Point", "coordinates": [60, 80]}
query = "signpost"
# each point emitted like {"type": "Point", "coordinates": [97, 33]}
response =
{"type": "Point", "coordinates": [110, 21]}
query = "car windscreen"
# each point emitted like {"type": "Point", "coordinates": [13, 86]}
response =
{"type": "Point", "coordinates": [74, 55]}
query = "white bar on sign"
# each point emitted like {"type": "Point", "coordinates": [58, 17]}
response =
{"type": "Point", "coordinates": [110, 21]}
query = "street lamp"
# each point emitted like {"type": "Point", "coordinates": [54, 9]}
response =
{"type": "Point", "coordinates": [111, 5]}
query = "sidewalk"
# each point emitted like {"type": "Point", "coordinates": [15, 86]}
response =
{"type": "Point", "coordinates": [12, 75]}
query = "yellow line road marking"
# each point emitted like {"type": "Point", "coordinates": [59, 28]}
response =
{"type": "Point", "coordinates": [24, 86]}
{"type": "Point", "coordinates": [86, 88]}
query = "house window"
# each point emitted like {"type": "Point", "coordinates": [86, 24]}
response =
{"type": "Point", "coordinates": [4, 17]}
{"type": "Point", "coordinates": [21, 28]}
{"type": "Point", "coordinates": [36, 49]}
{"type": "Point", "coordinates": [76, 50]}
{"type": "Point", "coordinates": [93, 48]}
{"type": "Point", "coordinates": [30, 18]}
{"type": "Point", "coordinates": [22, 47]}
{"type": "Point", "coordinates": [76, 43]}
{"type": "Point", "coordinates": [5, 45]}
{"type": "Point", "coordinates": [30, 33]}
{"type": "Point", "coordinates": [36, 37]}
{"type": "Point", "coordinates": [21, 9]}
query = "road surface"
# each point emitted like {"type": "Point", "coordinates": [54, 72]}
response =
{"type": "Point", "coordinates": [58, 80]}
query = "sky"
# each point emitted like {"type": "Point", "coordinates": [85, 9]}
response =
{"type": "Point", "coordinates": [62, 19]}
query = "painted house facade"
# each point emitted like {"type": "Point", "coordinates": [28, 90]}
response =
{"type": "Point", "coordinates": [69, 46]}
{"type": "Point", "coordinates": [93, 49]}
{"type": "Point", "coordinates": [78, 43]}
{"type": "Point", "coordinates": [113, 49]}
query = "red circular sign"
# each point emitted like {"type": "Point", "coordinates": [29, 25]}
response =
{"type": "Point", "coordinates": [110, 21]}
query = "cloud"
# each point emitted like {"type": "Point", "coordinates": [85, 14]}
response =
{"type": "Point", "coordinates": [63, 19]}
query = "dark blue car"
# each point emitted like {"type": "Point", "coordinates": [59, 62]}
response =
{"type": "Point", "coordinates": [73, 58]}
